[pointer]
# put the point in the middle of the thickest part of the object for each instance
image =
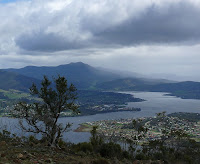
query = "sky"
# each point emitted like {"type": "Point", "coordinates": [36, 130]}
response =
{"type": "Point", "coordinates": [159, 38]}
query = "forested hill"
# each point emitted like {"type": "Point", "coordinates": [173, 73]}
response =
{"type": "Point", "coordinates": [131, 83]}
{"type": "Point", "coordinates": [81, 75]}
{"type": "Point", "coordinates": [186, 90]}
{"type": "Point", "coordinates": [10, 80]}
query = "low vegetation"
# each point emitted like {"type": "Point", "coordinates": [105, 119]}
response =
{"type": "Point", "coordinates": [98, 150]}
{"type": "Point", "coordinates": [30, 150]}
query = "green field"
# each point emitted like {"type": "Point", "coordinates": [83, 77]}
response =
{"type": "Point", "coordinates": [11, 97]}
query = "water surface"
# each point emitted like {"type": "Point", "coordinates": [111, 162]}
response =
{"type": "Point", "coordinates": [155, 102]}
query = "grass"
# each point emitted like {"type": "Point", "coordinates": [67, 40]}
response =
{"type": "Point", "coordinates": [13, 95]}
{"type": "Point", "coordinates": [16, 95]}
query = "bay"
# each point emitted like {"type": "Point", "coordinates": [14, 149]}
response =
{"type": "Point", "coordinates": [155, 102]}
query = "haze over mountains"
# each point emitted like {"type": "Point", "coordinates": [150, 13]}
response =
{"type": "Point", "coordinates": [84, 76]}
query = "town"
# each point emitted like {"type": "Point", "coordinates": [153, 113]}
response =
{"type": "Point", "coordinates": [150, 128]}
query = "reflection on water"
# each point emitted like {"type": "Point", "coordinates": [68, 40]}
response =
{"type": "Point", "coordinates": [156, 102]}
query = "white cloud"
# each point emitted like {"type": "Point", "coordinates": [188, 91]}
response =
{"type": "Point", "coordinates": [94, 23]}
{"type": "Point", "coordinates": [162, 35]}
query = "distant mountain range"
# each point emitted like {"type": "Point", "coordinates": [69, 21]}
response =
{"type": "Point", "coordinates": [85, 77]}
{"type": "Point", "coordinates": [81, 75]}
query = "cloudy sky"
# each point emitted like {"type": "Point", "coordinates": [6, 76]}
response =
{"type": "Point", "coordinates": [159, 37]}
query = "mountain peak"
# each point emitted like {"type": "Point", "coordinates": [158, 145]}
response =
{"type": "Point", "coordinates": [79, 64]}
{"type": "Point", "coordinates": [75, 64]}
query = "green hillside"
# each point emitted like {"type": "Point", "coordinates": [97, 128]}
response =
{"type": "Point", "coordinates": [130, 83]}
{"type": "Point", "coordinates": [11, 80]}
{"type": "Point", "coordinates": [9, 97]}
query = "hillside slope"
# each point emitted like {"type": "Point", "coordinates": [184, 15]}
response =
{"type": "Point", "coordinates": [131, 83]}
{"type": "Point", "coordinates": [10, 80]}
{"type": "Point", "coordinates": [186, 90]}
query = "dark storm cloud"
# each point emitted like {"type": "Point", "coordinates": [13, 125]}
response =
{"type": "Point", "coordinates": [177, 23]}
{"type": "Point", "coordinates": [46, 42]}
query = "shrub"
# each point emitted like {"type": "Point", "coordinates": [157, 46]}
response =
{"type": "Point", "coordinates": [110, 150]}
{"type": "Point", "coordinates": [85, 147]}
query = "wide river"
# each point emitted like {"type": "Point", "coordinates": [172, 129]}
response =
{"type": "Point", "coordinates": [155, 102]}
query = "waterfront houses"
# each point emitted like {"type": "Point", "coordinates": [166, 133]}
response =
{"type": "Point", "coordinates": [150, 128]}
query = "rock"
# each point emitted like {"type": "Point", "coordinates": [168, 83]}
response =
{"type": "Point", "coordinates": [20, 155]}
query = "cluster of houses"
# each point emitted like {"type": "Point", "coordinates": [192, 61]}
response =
{"type": "Point", "coordinates": [113, 107]}
{"type": "Point", "coordinates": [124, 129]}
{"type": "Point", "coordinates": [5, 111]}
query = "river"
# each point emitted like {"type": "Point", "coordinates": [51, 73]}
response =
{"type": "Point", "coordinates": [155, 102]}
